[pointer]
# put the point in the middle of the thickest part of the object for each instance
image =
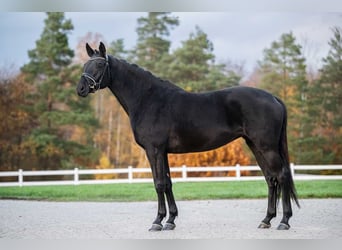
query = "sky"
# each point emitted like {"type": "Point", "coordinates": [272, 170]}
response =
{"type": "Point", "coordinates": [239, 36]}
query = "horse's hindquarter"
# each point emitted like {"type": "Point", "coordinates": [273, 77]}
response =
{"type": "Point", "coordinates": [261, 113]}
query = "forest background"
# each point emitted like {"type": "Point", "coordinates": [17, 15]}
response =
{"type": "Point", "coordinates": [45, 125]}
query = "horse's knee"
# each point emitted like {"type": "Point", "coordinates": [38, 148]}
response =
{"type": "Point", "coordinates": [168, 185]}
{"type": "Point", "coordinates": [163, 185]}
{"type": "Point", "coordinates": [160, 187]}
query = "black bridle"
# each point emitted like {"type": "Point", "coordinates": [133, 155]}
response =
{"type": "Point", "coordinates": [93, 84]}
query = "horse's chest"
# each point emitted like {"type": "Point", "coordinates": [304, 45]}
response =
{"type": "Point", "coordinates": [151, 130]}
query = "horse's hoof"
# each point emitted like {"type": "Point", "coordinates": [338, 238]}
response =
{"type": "Point", "coordinates": [264, 225]}
{"type": "Point", "coordinates": [156, 228]}
{"type": "Point", "coordinates": [283, 226]}
{"type": "Point", "coordinates": [169, 226]}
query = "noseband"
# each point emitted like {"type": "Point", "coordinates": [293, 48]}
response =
{"type": "Point", "coordinates": [94, 85]}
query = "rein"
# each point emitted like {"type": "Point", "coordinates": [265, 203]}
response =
{"type": "Point", "coordinates": [94, 85]}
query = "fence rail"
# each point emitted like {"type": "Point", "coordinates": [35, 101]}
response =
{"type": "Point", "coordinates": [184, 170]}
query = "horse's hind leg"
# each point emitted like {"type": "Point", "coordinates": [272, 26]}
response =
{"type": "Point", "coordinates": [272, 183]}
{"type": "Point", "coordinates": [272, 203]}
{"type": "Point", "coordinates": [281, 181]}
{"type": "Point", "coordinates": [285, 180]}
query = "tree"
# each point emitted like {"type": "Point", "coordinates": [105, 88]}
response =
{"type": "Point", "coordinates": [283, 67]}
{"type": "Point", "coordinates": [325, 103]}
{"type": "Point", "coordinates": [16, 122]}
{"type": "Point", "coordinates": [192, 66]}
{"type": "Point", "coordinates": [52, 52]}
{"type": "Point", "coordinates": [222, 76]}
{"type": "Point", "coordinates": [284, 75]}
{"type": "Point", "coordinates": [117, 49]}
{"type": "Point", "coordinates": [331, 80]}
{"type": "Point", "coordinates": [153, 45]}
{"type": "Point", "coordinates": [57, 109]}
{"type": "Point", "coordinates": [190, 63]}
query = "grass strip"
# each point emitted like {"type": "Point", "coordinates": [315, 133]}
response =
{"type": "Point", "coordinates": [182, 191]}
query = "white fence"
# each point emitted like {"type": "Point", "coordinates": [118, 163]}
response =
{"type": "Point", "coordinates": [184, 170]}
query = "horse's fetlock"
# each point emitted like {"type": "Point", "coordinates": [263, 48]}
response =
{"type": "Point", "coordinates": [288, 214]}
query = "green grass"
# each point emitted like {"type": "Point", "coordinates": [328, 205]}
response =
{"type": "Point", "coordinates": [182, 191]}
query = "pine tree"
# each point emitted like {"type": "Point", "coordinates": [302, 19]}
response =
{"type": "Point", "coordinates": [190, 63]}
{"type": "Point", "coordinates": [52, 52]}
{"type": "Point", "coordinates": [326, 101]}
{"type": "Point", "coordinates": [57, 109]}
{"type": "Point", "coordinates": [284, 75]}
{"type": "Point", "coordinates": [331, 80]}
{"type": "Point", "coordinates": [192, 66]}
{"type": "Point", "coordinates": [117, 49]}
{"type": "Point", "coordinates": [153, 45]}
{"type": "Point", "coordinates": [222, 76]}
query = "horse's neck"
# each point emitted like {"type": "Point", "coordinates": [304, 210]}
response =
{"type": "Point", "coordinates": [120, 99]}
{"type": "Point", "coordinates": [132, 85]}
{"type": "Point", "coordinates": [127, 85]}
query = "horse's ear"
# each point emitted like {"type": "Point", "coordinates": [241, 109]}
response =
{"type": "Point", "coordinates": [90, 51]}
{"type": "Point", "coordinates": [102, 49]}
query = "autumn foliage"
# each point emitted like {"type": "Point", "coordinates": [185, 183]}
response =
{"type": "Point", "coordinates": [228, 155]}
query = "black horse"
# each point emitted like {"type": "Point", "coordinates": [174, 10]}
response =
{"type": "Point", "coordinates": [166, 119]}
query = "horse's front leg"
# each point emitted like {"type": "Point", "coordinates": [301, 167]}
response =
{"type": "Point", "coordinates": [157, 223]}
{"type": "Point", "coordinates": [156, 160]}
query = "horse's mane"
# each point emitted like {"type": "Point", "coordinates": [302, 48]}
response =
{"type": "Point", "coordinates": [147, 76]}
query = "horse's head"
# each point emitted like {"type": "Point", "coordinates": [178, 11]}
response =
{"type": "Point", "coordinates": [96, 73]}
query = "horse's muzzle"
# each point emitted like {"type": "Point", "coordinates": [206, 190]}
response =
{"type": "Point", "coordinates": [82, 89]}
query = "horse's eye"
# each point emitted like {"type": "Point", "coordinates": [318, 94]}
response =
{"type": "Point", "coordinates": [99, 64]}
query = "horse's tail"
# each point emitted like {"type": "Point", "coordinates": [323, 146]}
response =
{"type": "Point", "coordinates": [287, 185]}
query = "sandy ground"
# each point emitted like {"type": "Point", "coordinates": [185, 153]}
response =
{"type": "Point", "coordinates": [211, 219]}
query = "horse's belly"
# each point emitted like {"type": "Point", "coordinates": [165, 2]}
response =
{"type": "Point", "coordinates": [192, 141]}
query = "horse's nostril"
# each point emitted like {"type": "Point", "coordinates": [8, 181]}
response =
{"type": "Point", "coordinates": [82, 89]}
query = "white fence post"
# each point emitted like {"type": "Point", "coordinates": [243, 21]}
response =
{"type": "Point", "coordinates": [20, 177]}
{"type": "Point", "coordinates": [292, 170]}
{"type": "Point", "coordinates": [184, 173]}
{"type": "Point", "coordinates": [130, 174]}
{"type": "Point", "coordinates": [76, 176]}
{"type": "Point", "coordinates": [238, 172]}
